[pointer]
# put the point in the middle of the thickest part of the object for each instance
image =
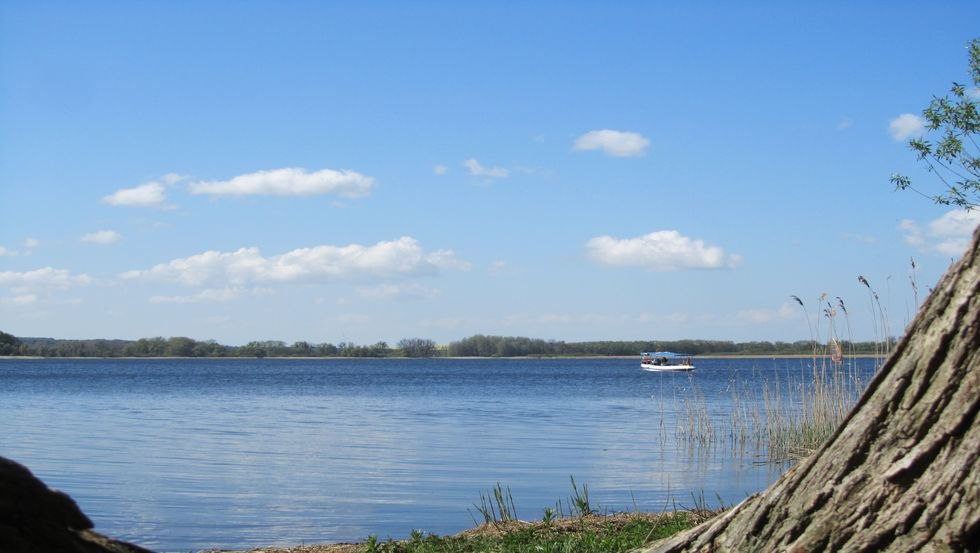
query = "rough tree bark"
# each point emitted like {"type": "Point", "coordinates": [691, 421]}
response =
{"type": "Point", "coordinates": [901, 474]}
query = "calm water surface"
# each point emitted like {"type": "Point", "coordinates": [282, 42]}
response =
{"type": "Point", "coordinates": [180, 455]}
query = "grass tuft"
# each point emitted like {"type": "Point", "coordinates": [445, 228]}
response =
{"type": "Point", "coordinates": [497, 506]}
{"type": "Point", "coordinates": [587, 534]}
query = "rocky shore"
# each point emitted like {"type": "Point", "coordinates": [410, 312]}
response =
{"type": "Point", "coordinates": [37, 519]}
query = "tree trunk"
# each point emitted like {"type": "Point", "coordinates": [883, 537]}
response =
{"type": "Point", "coordinates": [901, 473]}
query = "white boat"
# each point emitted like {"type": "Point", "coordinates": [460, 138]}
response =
{"type": "Point", "coordinates": [663, 361]}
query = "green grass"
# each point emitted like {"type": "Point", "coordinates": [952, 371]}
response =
{"type": "Point", "coordinates": [581, 530]}
{"type": "Point", "coordinates": [598, 534]}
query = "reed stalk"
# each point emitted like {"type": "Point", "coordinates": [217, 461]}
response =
{"type": "Point", "coordinates": [789, 421]}
{"type": "Point", "coordinates": [497, 506]}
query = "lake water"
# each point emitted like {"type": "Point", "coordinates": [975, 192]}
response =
{"type": "Point", "coordinates": [181, 455]}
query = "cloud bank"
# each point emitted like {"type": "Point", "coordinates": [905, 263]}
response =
{"type": "Point", "coordinates": [665, 250]}
{"type": "Point", "coordinates": [289, 182]}
{"type": "Point", "coordinates": [210, 295]}
{"type": "Point", "coordinates": [44, 278]}
{"type": "Point", "coordinates": [23, 299]}
{"type": "Point", "coordinates": [386, 259]}
{"type": "Point", "coordinates": [948, 235]}
{"type": "Point", "coordinates": [614, 143]}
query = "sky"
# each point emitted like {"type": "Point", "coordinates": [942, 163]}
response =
{"type": "Point", "coordinates": [373, 171]}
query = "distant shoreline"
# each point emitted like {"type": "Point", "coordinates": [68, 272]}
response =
{"type": "Point", "coordinates": [525, 357]}
{"type": "Point", "coordinates": [475, 346]}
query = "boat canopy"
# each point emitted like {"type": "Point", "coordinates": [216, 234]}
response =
{"type": "Point", "coordinates": [666, 354]}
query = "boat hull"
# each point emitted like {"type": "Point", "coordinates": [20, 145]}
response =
{"type": "Point", "coordinates": [667, 368]}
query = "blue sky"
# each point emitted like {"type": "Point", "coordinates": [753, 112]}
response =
{"type": "Point", "coordinates": [375, 171]}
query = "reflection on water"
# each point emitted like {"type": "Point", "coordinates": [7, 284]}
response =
{"type": "Point", "coordinates": [182, 455]}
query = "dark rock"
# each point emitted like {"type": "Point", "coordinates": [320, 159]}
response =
{"type": "Point", "coordinates": [37, 519]}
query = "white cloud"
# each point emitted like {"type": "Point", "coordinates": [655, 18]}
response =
{"type": "Point", "coordinates": [446, 259]}
{"type": "Point", "coordinates": [762, 316]}
{"type": "Point", "coordinates": [845, 123]}
{"type": "Point", "coordinates": [665, 250]}
{"type": "Point", "coordinates": [289, 182]}
{"type": "Point", "coordinates": [145, 195]}
{"type": "Point", "coordinates": [44, 278]}
{"type": "Point", "coordinates": [906, 125]}
{"type": "Point", "coordinates": [947, 235]}
{"type": "Point", "coordinates": [614, 143]}
{"type": "Point", "coordinates": [29, 243]}
{"type": "Point", "coordinates": [913, 233]}
{"type": "Point", "coordinates": [24, 299]}
{"type": "Point", "coordinates": [477, 170]}
{"type": "Point", "coordinates": [402, 257]}
{"type": "Point", "coordinates": [205, 296]}
{"type": "Point", "coordinates": [148, 194]}
{"type": "Point", "coordinates": [410, 291]}
{"type": "Point", "coordinates": [102, 237]}
{"type": "Point", "coordinates": [958, 223]}
{"type": "Point", "coordinates": [440, 169]}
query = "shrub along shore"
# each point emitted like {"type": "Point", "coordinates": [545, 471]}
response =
{"type": "Point", "coordinates": [474, 346]}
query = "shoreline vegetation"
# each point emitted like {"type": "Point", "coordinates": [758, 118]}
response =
{"type": "Point", "coordinates": [586, 534]}
{"type": "Point", "coordinates": [574, 526]}
{"type": "Point", "coordinates": [477, 346]}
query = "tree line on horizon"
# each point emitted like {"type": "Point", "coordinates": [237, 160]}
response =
{"type": "Point", "coordinates": [478, 345]}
